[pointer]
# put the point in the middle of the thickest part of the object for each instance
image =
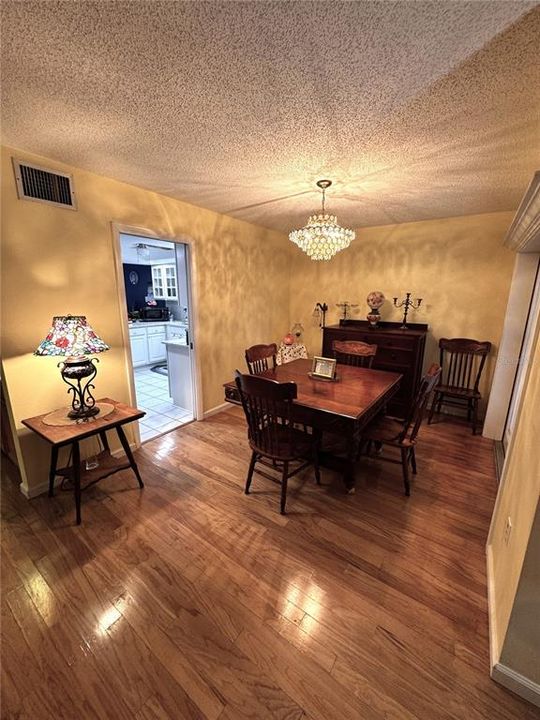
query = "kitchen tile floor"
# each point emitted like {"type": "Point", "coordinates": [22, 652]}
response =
{"type": "Point", "coordinates": [152, 390]}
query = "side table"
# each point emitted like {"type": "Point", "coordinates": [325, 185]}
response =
{"type": "Point", "coordinates": [288, 353]}
{"type": "Point", "coordinates": [71, 434]}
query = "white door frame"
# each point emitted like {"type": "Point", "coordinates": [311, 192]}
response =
{"type": "Point", "coordinates": [524, 361]}
{"type": "Point", "coordinates": [120, 228]}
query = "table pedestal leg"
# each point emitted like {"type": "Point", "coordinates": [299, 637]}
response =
{"type": "Point", "coordinates": [129, 454]}
{"type": "Point", "coordinates": [77, 480]}
{"type": "Point", "coordinates": [52, 471]}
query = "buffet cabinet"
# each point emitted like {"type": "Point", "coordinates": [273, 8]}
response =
{"type": "Point", "coordinates": [398, 350]}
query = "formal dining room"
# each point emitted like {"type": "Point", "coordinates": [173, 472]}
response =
{"type": "Point", "coordinates": [270, 379]}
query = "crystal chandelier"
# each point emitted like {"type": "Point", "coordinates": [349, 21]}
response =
{"type": "Point", "coordinates": [322, 237]}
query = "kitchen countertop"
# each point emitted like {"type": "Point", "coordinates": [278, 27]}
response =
{"type": "Point", "coordinates": [175, 343]}
{"type": "Point", "coordinates": [152, 323]}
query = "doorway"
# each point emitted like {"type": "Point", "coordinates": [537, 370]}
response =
{"type": "Point", "coordinates": [523, 364]}
{"type": "Point", "coordinates": [156, 280]}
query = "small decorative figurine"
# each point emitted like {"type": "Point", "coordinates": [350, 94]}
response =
{"type": "Point", "coordinates": [406, 304]}
{"type": "Point", "coordinates": [375, 300]}
{"type": "Point", "coordinates": [288, 339]}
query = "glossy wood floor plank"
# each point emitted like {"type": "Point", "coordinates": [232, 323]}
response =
{"type": "Point", "coordinates": [191, 600]}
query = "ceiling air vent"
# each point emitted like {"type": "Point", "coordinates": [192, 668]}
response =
{"type": "Point", "coordinates": [42, 185]}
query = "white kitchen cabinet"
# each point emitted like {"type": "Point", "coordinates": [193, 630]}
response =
{"type": "Point", "coordinates": [139, 347]}
{"type": "Point", "coordinates": [156, 347]}
{"type": "Point", "coordinates": [164, 282]}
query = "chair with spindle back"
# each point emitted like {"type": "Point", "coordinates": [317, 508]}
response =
{"type": "Point", "coordinates": [274, 439]}
{"type": "Point", "coordinates": [403, 435]}
{"type": "Point", "coordinates": [257, 357]}
{"type": "Point", "coordinates": [462, 361]}
{"type": "Point", "coordinates": [353, 352]}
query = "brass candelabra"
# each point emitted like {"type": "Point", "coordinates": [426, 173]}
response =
{"type": "Point", "coordinates": [407, 304]}
{"type": "Point", "coordinates": [345, 307]}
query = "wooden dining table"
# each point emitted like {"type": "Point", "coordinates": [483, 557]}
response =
{"type": "Point", "coordinates": [341, 408]}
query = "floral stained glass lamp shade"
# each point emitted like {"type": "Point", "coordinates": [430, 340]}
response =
{"type": "Point", "coordinates": [72, 336]}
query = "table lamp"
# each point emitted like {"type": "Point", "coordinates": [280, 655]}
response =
{"type": "Point", "coordinates": [71, 335]}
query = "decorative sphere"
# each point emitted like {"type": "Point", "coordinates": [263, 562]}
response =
{"type": "Point", "coordinates": [375, 299]}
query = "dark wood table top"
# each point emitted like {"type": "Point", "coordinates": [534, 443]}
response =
{"type": "Point", "coordinates": [60, 435]}
{"type": "Point", "coordinates": [353, 395]}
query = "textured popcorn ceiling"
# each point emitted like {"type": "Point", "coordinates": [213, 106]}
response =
{"type": "Point", "coordinates": [415, 109]}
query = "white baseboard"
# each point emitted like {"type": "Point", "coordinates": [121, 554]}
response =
{"type": "Point", "coordinates": [216, 410]}
{"type": "Point", "coordinates": [43, 487]}
{"type": "Point", "coordinates": [33, 492]}
{"type": "Point", "coordinates": [517, 683]}
{"type": "Point", "coordinates": [494, 649]}
{"type": "Point", "coordinates": [505, 676]}
{"type": "Point", "coordinates": [120, 451]}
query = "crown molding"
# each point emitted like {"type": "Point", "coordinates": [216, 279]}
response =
{"type": "Point", "coordinates": [524, 232]}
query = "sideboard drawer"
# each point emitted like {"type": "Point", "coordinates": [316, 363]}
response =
{"type": "Point", "coordinates": [395, 356]}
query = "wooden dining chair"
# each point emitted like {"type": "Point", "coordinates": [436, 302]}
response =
{"type": "Point", "coordinates": [402, 435]}
{"type": "Point", "coordinates": [274, 439]}
{"type": "Point", "coordinates": [257, 357]}
{"type": "Point", "coordinates": [462, 361]}
{"type": "Point", "coordinates": [354, 352]}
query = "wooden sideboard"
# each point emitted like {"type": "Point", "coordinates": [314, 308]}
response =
{"type": "Point", "coordinates": [400, 351]}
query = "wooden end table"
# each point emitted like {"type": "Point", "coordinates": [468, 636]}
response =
{"type": "Point", "coordinates": [60, 435]}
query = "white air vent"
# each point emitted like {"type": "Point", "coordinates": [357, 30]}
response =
{"type": "Point", "coordinates": [42, 185]}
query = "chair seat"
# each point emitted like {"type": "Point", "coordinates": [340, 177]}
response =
{"type": "Point", "coordinates": [384, 430]}
{"type": "Point", "coordinates": [301, 446]}
{"type": "Point", "coordinates": [456, 391]}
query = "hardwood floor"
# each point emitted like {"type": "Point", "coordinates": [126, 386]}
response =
{"type": "Point", "coordinates": [189, 599]}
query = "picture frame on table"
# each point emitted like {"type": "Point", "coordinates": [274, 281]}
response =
{"type": "Point", "coordinates": [323, 368]}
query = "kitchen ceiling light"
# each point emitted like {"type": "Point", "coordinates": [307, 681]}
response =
{"type": "Point", "coordinates": [322, 237]}
{"type": "Point", "coordinates": [143, 251]}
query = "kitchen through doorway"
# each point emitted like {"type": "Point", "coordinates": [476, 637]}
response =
{"type": "Point", "coordinates": [156, 280]}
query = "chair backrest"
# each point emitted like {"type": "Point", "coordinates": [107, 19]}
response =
{"type": "Point", "coordinates": [257, 357]}
{"type": "Point", "coordinates": [354, 352]}
{"type": "Point", "coordinates": [267, 406]}
{"type": "Point", "coordinates": [462, 361]}
{"type": "Point", "coordinates": [412, 424]}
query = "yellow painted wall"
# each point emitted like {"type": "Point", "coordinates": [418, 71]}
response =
{"type": "Point", "coordinates": [457, 265]}
{"type": "Point", "coordinates": [252, 284]}
{"type": "Point", "coordinates": [518, 499]}
{"type": "Point", "coordinates": [56, 261]}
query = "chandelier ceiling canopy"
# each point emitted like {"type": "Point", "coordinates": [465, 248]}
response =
{"type": "Point", "coordinates": [322, 237]}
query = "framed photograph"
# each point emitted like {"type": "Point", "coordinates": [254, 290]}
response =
{"type": "Point", "coordinates": [324, 368]}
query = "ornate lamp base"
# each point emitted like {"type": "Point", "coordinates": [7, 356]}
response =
{"type": "Point", "coordinates": [83, 413]}
{"type": "Point", "coordinates": [74, 370]}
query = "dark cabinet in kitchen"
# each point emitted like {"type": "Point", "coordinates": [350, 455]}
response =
{"type": "Point", "coordinates": [398, 350]}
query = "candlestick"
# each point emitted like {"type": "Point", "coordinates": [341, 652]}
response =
{"type": "Point", "coordinates": [406, 304]}
{"type": "Point", "coordinates": [345, 306]}
{"type": "Point", "coordinates": [320, 311]}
